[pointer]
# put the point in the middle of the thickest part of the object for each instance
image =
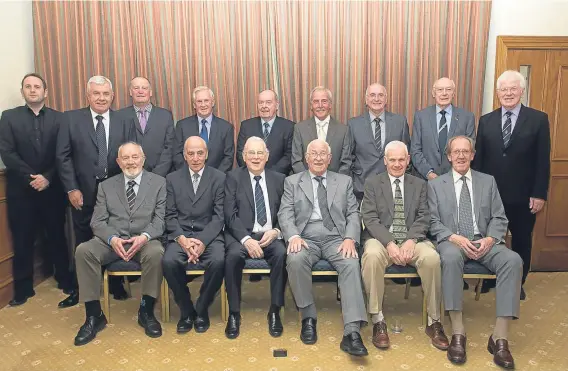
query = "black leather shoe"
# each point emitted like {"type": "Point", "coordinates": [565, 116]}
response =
{"type": "Point", "coordinates": [353, 344]}
{"type": "Point", "coordinates": [201, 324]}
{"type": "Point", "coordinates": [523, 295]}
{"type": "Point", "coordinates": [152, 327]}
{"type": "Point", "coordinates": [275, 327]}
{"type": "Point", "coordinates": [70, 301]}
{"type": "Point", "coordinates": [185, 325]}
{"type": "Point", "coordinates": [309, 334]}
{"type": "Point", "coordinates": [233, 328]}
{"type": "Point", "coordinates": [21, 299]}
{"type": "Point", "coordinates": [119, 293]}
{"type": "Point", "coordinates": [465, 285]}
{"type": "Point", "coordinates": [68, 291]}
{"type": "Point", "coordinates": [90, 328]}
{"type": "Point", "coordinates": [255, 278]}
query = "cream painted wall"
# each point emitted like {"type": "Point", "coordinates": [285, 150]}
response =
{"type": "Point", "coordinates": [521, 18]}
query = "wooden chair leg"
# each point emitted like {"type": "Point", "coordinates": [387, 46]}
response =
{"type": "Point", "coordinates": [224, 302]}
{"type": "Point", "coordinates": [338, 297]}
{"type": "Point", "coordinates": [407, 288]}
{"type": "Point", "coordinates": [167, 300]}
{"type": "Point", "coordinates": [106, 296]}
{"type": "Point", "coordinates": [126, 284]}
{"type": "Point", "coordinates": [163, 299]}
{"type": "Point", "coordinates": [478, 289]}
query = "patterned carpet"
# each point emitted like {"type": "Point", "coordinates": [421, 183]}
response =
{"type": "Point", "coordinates": [39, 336]}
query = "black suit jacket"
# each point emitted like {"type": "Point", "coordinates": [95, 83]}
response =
{"type": "Point", "coordinates": [157, 140]}
{"type": "Point", "coordinates": [279, 142]}
{"type": "Point", "coordinates": [22, 156]}
{"type": "Point", "coordinates": [221, 145]}
{"type": "Point", "coordinates": [77, 152]}
{"type": "Point", "coordinates": [197, 215]}
{"type": "Point", "coordinates": [522, 169]}
{"type": "Point", "coordinates": [239, 202]}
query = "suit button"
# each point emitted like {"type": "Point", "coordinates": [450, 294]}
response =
{"type": "Point", "coordinates": [504, 155]}
{"type": "Point", "coordinates": [130, 220]}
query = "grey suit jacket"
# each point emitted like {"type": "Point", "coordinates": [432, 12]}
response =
{"type": "Point", "coordinates": [367, 160]}
{"type": "Point", "coordinates": [337, 138]}
{"type": "Point", "coordinates": [298, 202]}
{"type": "Point", "coordinates": [377, 208]}
{"type": "Point", "coordinates": [489, 210]}
{"type": "Point", "coordinates": [424, 150]}
{"type": "Point", "coordinates": [113, 217]}
{"type": "Point", "coordinates": [157, 140]}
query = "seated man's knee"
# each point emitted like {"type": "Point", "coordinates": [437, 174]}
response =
{"type": "Point", "coordinates": [374, 253]}
{"type": "Point", "coordinates": [431, 261]}
{"type": "Point", "coordinates": [154, 251]}
{"type": "Point", "coordinates": [298, 259]}
{"type": "Point", "coordinates": [83, 252]}
{"type": "Point", "coordinates": [451, 254]}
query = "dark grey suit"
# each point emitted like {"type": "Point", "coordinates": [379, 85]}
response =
{"type": "Point", "coordinates": [195, 215]}
{"type": "Point", "coordinates": [221, 146]}
{"type": "Point", "coordinates": [113, 217]}
{"type": "Point", "coordinates": [337, 138]}
{"type": "Point", "coordinates": [367, 160]}
{"type": "Point", "coordinates": [491, 221]}
{"type": "Point", "coordinates": [157, 140]}
{"type": "Point", "coordinates": [425, 149]}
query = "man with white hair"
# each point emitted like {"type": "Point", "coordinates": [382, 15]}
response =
{"type": "Point", "coordinates": [513, 145]}
{"type": "Point", "coordinates": [217, 133]}
{"type": "Point", "coordinates": [432, 128]}
{"type": "Point", "coordinates": [396, 218]}
{"type": "Point", "coordinates": [87, 146]}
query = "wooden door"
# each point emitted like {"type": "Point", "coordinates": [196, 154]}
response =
{"type": "Point", "coordinates": [544, 62]}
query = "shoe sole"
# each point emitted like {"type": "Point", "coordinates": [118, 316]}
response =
{"type": "Point", "coordinates": [202, 330]}
{"type": "Point", "coordinates": [383, 347]}
{"type": "Point", "coordinates": [310, 342]}
{"type": "Point", "coordinates": [99, 329]}
{"type": "Point", "coordinates": [275, 334]}
{"type": "Point", "coordinates": [183, 332]}
{"type": "Point", "coordinates": [231, 337]}
{"type": "Point", "coordinates": [456, 361]}
{"type": "Point", "coordinates": [147, 334]}
{"type": "Point", "coordinates": [346, 350]}
{"type": "Point", "coordinates": [505, 365]}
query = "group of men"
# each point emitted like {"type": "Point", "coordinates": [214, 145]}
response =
{"type": "Point", "coordinates": [112, 166]}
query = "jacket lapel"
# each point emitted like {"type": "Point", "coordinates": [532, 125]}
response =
{"type": "Point", "coordinates": [306, 186]}
{"type": "Point", "coordinates": [331, 189]}
{"type": "Point", "coordinates": [187, 183]}
{"type": "Point", "coordinates": [272, 196]}
{"type": "Point", "coordinates": [134, 116]}
{"type": "Point", "coordinates": [331, 130]}
{"type": "Point", "coordinates": [312, 129]}
{"type": "Point", "coordinates": [518, 125]}
{"type": "Point", "coordinates": [245, 180]}
{"type": "Point", "coordinates": [477, 186]}
{"type": "Point", "coordinates": [90, 125]}
{"type": "Point", "coordinates": [213, 133]}
{"type": "Point", "coordinates": [454, 123]}
{"type": "Point", "coordinates": [149, 119]}
{"type": "Point", "coordinates": [451, 194]}
{"type": "Point", "coordinates": [387, 193]}
{"type": "Point", "coordinates": [409, 190]}
{"type": "Point", "coordinates": [273, 133]}
{"type": "Point", "coordinates": [203, 183]}
{"type": "Point", "coordinates": [120, 187]}
{"type": "Point", "coordinates": [114, 133]}
{"type": "Point", "coordinates": [142, 190]}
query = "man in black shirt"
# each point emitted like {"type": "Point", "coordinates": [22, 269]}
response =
{"type": "Point", "coordinates": [35, 197]}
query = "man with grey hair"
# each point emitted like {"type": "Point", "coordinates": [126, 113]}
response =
{"type": "Point", "coordinates": [217, 133]}
{"type": "Point", "coordinates": [370, 133]}
{"type": "Point", "coordinates": [154, 127]}
{"type": "Point", "coordinates": [87, 146]}
{"type": "Point", "coordinates": [432, 128]}
{"type": "Point", "coordinates": [513, 145]}
{"type": "Point", "coordinates": [396, 218]}
{"type": "Point", "coordinates": [322, 126]}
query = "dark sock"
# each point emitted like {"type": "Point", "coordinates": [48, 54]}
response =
{"type": "Point", "coordinates": [274, 309]}
{"type": "Point", "coordinates": [93, 308]}
{"type": "Point", "coordinates": [147, 304]}
{"type": "Point", "coordinates": [238, 314]}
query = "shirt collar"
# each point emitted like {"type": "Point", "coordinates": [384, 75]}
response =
{"type": "Point", "coordinates": [262, 176]}
{"type": "Point", "coordinates": [138, 179]}
{"type": "Point", "coordinates": [324, 121]}
{"type": "Point", "coordinates": [209, 119]}
{"type": "Point", "coordinates": [373, 117]}
{"type": "Point", "coordinates": [392, 179]}
{"type": "Point", "coordinates": [41, 111]}
{"type": "Point", "coordinates": [515, 110]}
{"type": "Point", "coordinates": [448, 110]}
{"type": "Point", "coordinates": [105, 115]}
{"type": "Point", "coordinates": [200, 172]}
{"type": "Point", "coordinates": [324, 175]}
{"type": "Point", "coordinates": [457, 176]}
{"type": "Point", "coordinates": [269, 122]}
{"type": "Point", "coordinates": [147, 108]}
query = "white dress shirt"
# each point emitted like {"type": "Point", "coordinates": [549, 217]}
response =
{"type": "Point", "coordinates": [316, 212]}
{"type": "Point", "coordinates": [200, 172]}
{"type": "Point", "coordinates": [138, 179]}
{"type": "Point", "coordinates": [393, 187]}
{"type": "Point", "coordinates": [257, 228]}
{"type": "Point", "coordinates": [106, 122]}
{"type": "Point", "coordinates": [321, 127]}
{"type": "Point", "coordinates": [458, 183]}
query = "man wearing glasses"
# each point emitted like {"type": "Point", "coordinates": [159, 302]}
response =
{"type": "Point", "coordinates": [432, 128]}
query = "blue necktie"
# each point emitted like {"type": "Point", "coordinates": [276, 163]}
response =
{"type": "Point", "coordinates": [203, 134]}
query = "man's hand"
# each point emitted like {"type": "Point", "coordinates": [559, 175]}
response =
{"type": "Point", "coordinates": [183, 242]}
{"type": "Point", "coordinates": [536, 204]}
{"type": "Point", "coordinates": [196, 247]}
{"type": "Point", "coordinates": [485, 244]}
{"type": "Point", "coordinates": [39, 182]}
{"type": "Point", "coordinates": [407, 250]}
{"type": "Point", "coordinates": [296, 244]}
{"type": "Point", "coordinates": [137, 243]}
{"type": "Point", "coordinates": [395, 254]}
{"type": "Point", "coordinates": [347, 249]}
{"type": "Point", "coordinates": [117, 245]}
{"type": "Point", "coordinates": [254, 248]}
{"type": "Point", "coordinates": [465, 245]}
{"type": "Point", "coordinates": [268, 237]}
{"type": "Point", "coordinates": [432, 175]}
{"type": "Point", "coordinates": [76, 199]}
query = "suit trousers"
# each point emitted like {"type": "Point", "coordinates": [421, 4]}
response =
{"type": "Point", "coordinates": [30, 214]}
{"type": "Point", "coordinates": [235, 255]}
{"type": "Point", "coordinates": [506, 264]}
{"type": "Point", "coordinates": [175, 264]}
{"type": "Point", "coordinates": [427, 262]}
{"type": "Point", "coordinates": [521, 224]}
{"type": "Point", "coordinates": [323, 244]}
{"type": "Point", "coordinates": [92, 255]}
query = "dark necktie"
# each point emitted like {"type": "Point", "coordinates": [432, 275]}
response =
{"type": "Point", "coordinates": [100, 134]}
{"type": "Point", "coordinates": [465, 215]}
{"type": "Point", "coordinates": [378, 137]}
{"type": "Point", "coordinates": [266, 133]}
{"type": "Point", "coordinates": [259, 202]}
{"type": "Point", "coordinates": [322, 201]}
{"type": "Point", "coordinates": [203, 134]}
{"type": "Point", "coordinates": [443, 133]}
{"type": "Point", "coordinates": [398, 222]}
{"type": "Point", "coordinates": [130, 194]}
{"type": "Point", "coordinates": [507, 129]}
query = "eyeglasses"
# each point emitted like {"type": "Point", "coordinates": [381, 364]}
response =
{"type": "Point", "coordinates": [255, 153]}
{"type": "Point", "coordinates": [457, 152]}
{"type": "Point", "coordinates": [514, 90]}
{"type": "Point", "coordinates": [318, 154]}
{"type": "Point", "coordinates": [441, 90]}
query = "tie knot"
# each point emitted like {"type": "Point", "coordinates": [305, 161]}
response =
{"type": "Point", "coordinates": [397, 181]}
{"type": "Point", "coordinates": [508, 113]}
{"type": "Point", "coordinates": [443, 113]}
{"type": "Point", "coordinates": [266, 125]}
{"type": "Point", "coordinates": [142, 112]}
{"type": "Point", "coordinates": [377, 120]}
{"type": "Point", "coordinates": [464, 178]}
{"type": "Point", "coordinates": [319, 179]}
{"type": "Point", "coordinates": [203, 121]}
{"type": "Point", "coordinates": [195, 177]}
{"type": "Point", "coordinates": [257, 178]}
{"type": "Point", "coordinates": [99, 118]}
{"type": "Point", "coordinates": [321, 124]}
{"type": "Point", "coordinates": [131, 183]}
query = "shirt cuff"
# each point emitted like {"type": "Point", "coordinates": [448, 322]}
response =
{"type": "Point", "coordinates": [245, 239]}
{"type": "Point", "coordinates": [110, 238]}
{"type": "Point", "coordinates": [147, 235]}
{"type": "Point", "coordinates": [72, 191]}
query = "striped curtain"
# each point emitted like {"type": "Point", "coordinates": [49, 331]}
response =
{"type": "Point", "coordinates": [239, 48]}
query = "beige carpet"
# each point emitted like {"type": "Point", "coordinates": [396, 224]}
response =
{"type": "Point", "coordinates": [39, 336]}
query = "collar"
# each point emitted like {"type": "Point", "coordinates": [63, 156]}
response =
{"type": "Point", "coordinates": [41, 111]}
{"type": "Point", "coordinates": [448, 109]}
{"type": "Point", "coordinates": [392, 179]}
{"type": "Point", "coordinates": [324, 175]}
{"type": "Point", "coordinates": [147, 108]}
{"type": "Point", "coordinates": [515, 110]}
{"type": "Point", "coordinates": [322, 122]}
{"type": "Point", "coordinates": [209, 119]}
{"type": "Point", "coordinates": [373, 117]}
{"type": "Point", "coordinates": [269, 122]}
{"type": "Point", "coordinates": [262, 176]}
{"type": "Point", "coordinates": [138, 179]}
{"type": "Point", "coordinates": [106, 115]}
{"type": "Point", "coordinates": [200, 172]}
{"type": "Point", "coordinates": [457, 176]}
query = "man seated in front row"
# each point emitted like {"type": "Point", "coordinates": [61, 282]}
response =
{"type": "Point", "coordinates": [320, 220]}
{"type": "Point", "coordinates": [252, 200]}
{"type": "Point", "coordinates": [468, 221]}
{"type": "Point", "coordinates": [194, 224]}
{"type": "Point", "coordinates": [396, 218]}
{"type": "Point", "coordinates": [127, 220]}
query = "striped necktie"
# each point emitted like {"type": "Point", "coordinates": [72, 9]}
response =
{"type": "Point", "coordinates": [507, 128]}
{"type": "Point", "coordinates": [378, 137]}
{"type": "Point", "coordinates": [465, 214]}
{"type": "Point", "coordinates": [398, 222]}
{"type": "Point", "coordinates": [130, 194]}
{"type": "Point", "coordinates": [259, 202]}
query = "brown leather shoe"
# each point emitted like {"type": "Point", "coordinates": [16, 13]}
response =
{"type": "Point", "coordinates": [456, 350]}
{"type": "Point", "coordinates": [436, 332]}
{"type": "Point", "coordinates": [501, 354]}
{"type": "Point", "coordinates": [380, 335]}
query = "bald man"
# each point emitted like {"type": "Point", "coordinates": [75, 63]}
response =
{"type": "Point", "coordinates": [370, 133]}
